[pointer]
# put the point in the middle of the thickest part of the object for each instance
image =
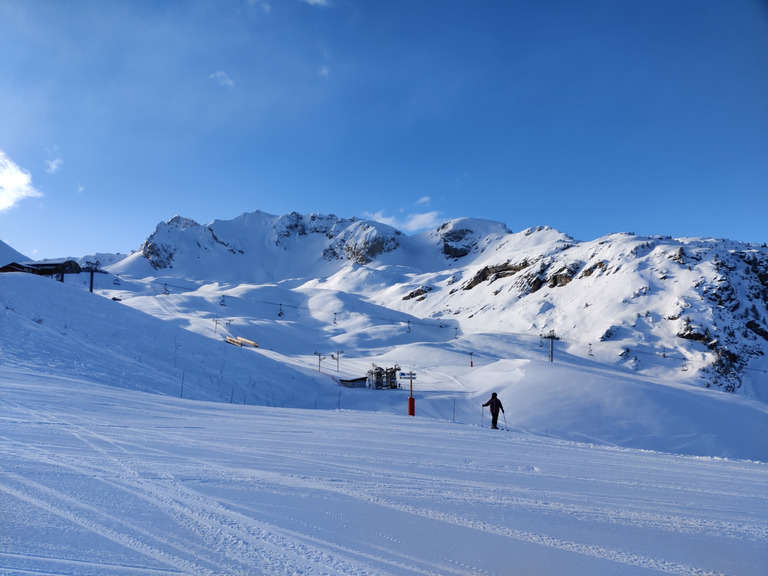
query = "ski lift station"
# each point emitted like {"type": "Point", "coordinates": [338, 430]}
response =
{"type": "Point", "coordinates": [55, 268]}
{"type": "Point", "coordinates": [377, 378]}
{"type": "Point", "coordinates": [383, 378]}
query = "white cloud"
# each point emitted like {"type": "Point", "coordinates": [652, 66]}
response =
{"type": "Point", "coordinates": [221, 77]}
{"type": "Point", "coordinates": [409, 223]}
{"type": "Point", "coordinates": [15, 184]}
{"type": "Point", "coordinates": [317, 2]}
{"type": "Point", "coordinates": [379, 217]}
{"type": "Point", "coordinates": [323, 72]}
{"type": "Point", "coordinates": [424, 200]}
{"type": "Point", "coordinates": [262, 5]}
{"type": "Point", "coordinates": [422, 221]}
{"type": "Point", "coordinates": [53, 165]}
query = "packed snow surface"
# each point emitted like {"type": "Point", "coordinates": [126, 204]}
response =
{"type": "Point", "coordinates": [97, 480]}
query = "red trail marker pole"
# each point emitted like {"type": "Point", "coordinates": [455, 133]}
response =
{"type": "Point", "coordinates": [411, 400]}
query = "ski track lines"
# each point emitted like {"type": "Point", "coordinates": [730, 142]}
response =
{"type": "Point", "coordinates": [224, 491]}
{"type": "Point", "coordinates": [421, 489]}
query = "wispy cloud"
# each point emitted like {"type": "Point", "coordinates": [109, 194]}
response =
{"type": "Point", "coordinates": [422, 221]}
{"type": "Point", "coordinates": [52, 166]}
{"type": "Point", "coordinates": [221, 77]}
{"type": "Point", "coordinates": [261, 5]}
{"type": "Point", "coordinates": [410, 223]}
{"type": "Point", "coordinates": [324, 72]}
{"type": "Point", "coordinates": [15, 184]}
{"type": "Point", "coordinates": [425, 200]}
{"type": "Point", "coordinates": [317, 2]}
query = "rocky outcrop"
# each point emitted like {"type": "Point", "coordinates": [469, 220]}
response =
{"type": "Point", "coordinates": [362, 242]}
{"type": "Point", "coordinates": [493, 273]}
{"type": "Point", "coordinates": [159, 248]}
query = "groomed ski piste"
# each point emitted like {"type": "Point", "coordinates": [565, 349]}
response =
{"type": "Point", "coordinates": [142, 443]}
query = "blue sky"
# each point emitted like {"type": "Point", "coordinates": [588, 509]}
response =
{"type": "Point", "coordinates": [593, 117]}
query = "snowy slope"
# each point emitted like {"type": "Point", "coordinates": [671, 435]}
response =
{"type": "Point", "coordinates": [99, 481]}
{"type": "Point", "coordinates": [8, 255]}
{"type": "Point", "coordinates": [135, 440]}
{"type": "Point", "coordinates": [176, 348]}
{"type": "Point", "coordinates": [64, 330]}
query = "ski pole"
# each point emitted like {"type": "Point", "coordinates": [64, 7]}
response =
{"type": "Point", "coordinates": [482, 417]}
{"type": "Point", "coordinates": [505, 421]}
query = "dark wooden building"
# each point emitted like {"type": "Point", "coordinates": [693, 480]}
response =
{"type": "Point", "coordinates": [53, 268]}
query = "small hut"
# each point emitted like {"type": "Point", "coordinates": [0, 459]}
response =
{"type": "Point", "coordinates": [383, 378]}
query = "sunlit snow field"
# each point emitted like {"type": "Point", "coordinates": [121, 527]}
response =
{"type": "Point", "coordinates": [97, 480]}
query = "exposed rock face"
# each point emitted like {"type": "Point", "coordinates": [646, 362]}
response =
{"type": "Point", "coordinates": [362, 242]}
{"type": "Point", "coordinates": [493, 273]}
{"type": "Point", "coordinates": [420, 293]}
{"type": "Point", "coordinates": [457, 242]}
{"type": "Point", "coordinates": [465, 236]}
{"type": "Point", "coordinates": [296, 225]}
{"type": "Point", "coordinates": [160, 248]}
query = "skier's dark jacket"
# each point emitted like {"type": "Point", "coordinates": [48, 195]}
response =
{"type": "Point", "coordinates": [495, 405]}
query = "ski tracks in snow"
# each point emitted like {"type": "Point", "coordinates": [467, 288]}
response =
{"type": "Point", "coordinates": [205, 537]}
{"type": "Point", "coordinates": [467, 495]}
{"type": "Point", "coordinates": [129, 484]}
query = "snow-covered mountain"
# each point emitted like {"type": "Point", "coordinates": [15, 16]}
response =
{"type": "Point", "coordinates": [136, 439]}
{"type": "Point", "coordinates": [699, 304]}
{"type": "Point", "coordinates": [605, 340]}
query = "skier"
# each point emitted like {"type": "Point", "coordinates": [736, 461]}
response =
{"type": "Point", "coordinates": [495, 405]}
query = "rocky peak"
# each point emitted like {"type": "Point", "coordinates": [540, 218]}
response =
{"type": "Point", "coordinates": [362, 242]}
{"type": "Point", "coordinates": [159, 248]}
{"type": "Point", "coordinates": [463, 236]}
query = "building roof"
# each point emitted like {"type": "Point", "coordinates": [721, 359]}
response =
{"type": "Point", "coordinates": [44, 267]}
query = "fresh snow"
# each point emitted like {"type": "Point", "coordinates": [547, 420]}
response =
{"type": "Point", "coordinates": [134, 440]}
{"type": "Point", "coordinates": [97, 480]}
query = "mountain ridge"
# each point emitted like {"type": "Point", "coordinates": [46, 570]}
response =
{"type": "Point", "coordinates": [701, 301]}
{"type": "Point", "coordinates": [698, 303]}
